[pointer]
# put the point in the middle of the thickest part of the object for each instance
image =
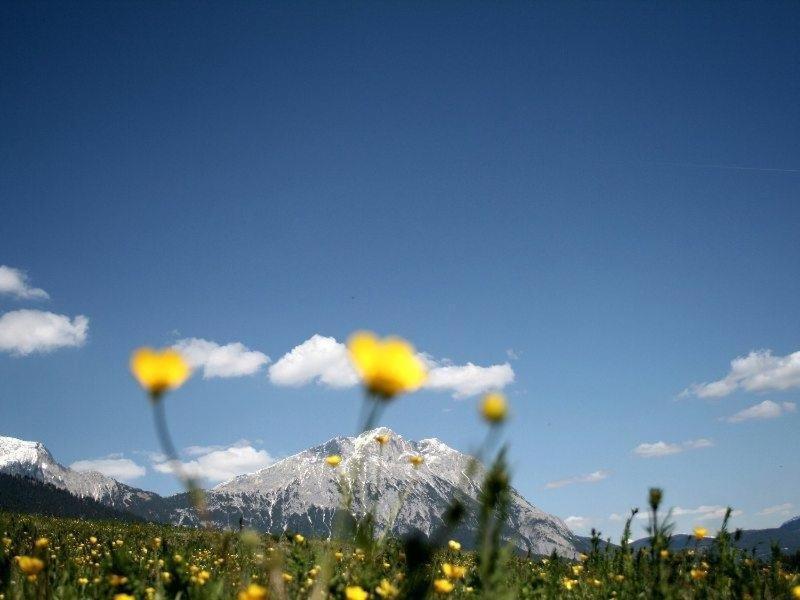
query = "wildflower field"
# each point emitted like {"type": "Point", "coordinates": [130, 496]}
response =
{"type": "Point", "coordinates": [44, 557]}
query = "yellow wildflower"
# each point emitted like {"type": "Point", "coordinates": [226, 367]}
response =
{"type": "Point", "coordinates": [387, 367]}
{"type": "Point", "coordinates": [700, 533]}
{"type": "Point", "coordinates": [664, 554]}
{"type": "Point", "coordinates": [30, 565]}
{"type": "Point", "coordinates": [299, 538]}
{"type": "Point", "coordinates": [387, 590]}
{"type": "Point", "coordinates": [158, 372]}
{"type": "Point", "coordinates": [619, 578]}
{"type": "Point", "coordinates": [796, 591]}
{"type": "Point", "coordinates": [286, 577]}
{"type": "Point", "coordinates": [93, 539]}
{"type": "Point", "coordinates": [7, 542]}
{"type": "Point", "coordinates": [698, 574]}
{"type": "Point", "coordinates": [442, 586]}
{"type": "Point", "coordinates": [494, 408]}
{"type": "Point", "coordinates": [454, 545]}
{"type": "Point", "coordinates": [41, 543]}
{"type": "Point", "coordinates": [333, 460]}
{"type": "Point", "coordinates": [416, 460]}
{"type": "Point", "coordinates": [568, 583]}
{"type": "Point", "coordinates": [382, 439]}
{"type": "Point", "coordinates": [454, 571]}
{"type": "Point", "coordinates": [82, 581]}
{"type": "Point", "coordinates": [338, 555]}
{"type": "Point", "coordinates": [124, 597]}
{"type": "Point", "coordinates": [355, 592]}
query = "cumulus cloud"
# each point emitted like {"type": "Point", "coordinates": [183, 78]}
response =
{"type": "Point", "coordinates": [15, 283]}
{"type": "Point", "coordinates": [320, 359]}
{"type": "Point", "coordinates": [23, 332]}
{"type": "Point", "coordinates": [759, 371]}
{"type": "Point", "coordinates": [324, 360]}
{"type": "Point", "coordinates": [575, 522]}
{"type": "Point", "coordinates": [230, 360]}
{"type": "Point", "coordinates": [220, 463]}
{"type": "Point", "coordinates": [763, 410]}
{"type": "Point", "coordinates": [590, 478]}
{"type": "Point", "coordinates": [469, 380]}
{"type": "Point", "coordinates": [659, 449]}
{"type": "Point", "coordinates": [122, 469]}
{"type": "Point", "coordinates": [784, 509]}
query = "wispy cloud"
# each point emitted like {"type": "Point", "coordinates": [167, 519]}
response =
{"type": "Point", "coordinates": [14, 282]}
{"type": "Point", "coordinates": [784, 509]}
{"type": "Point", "coordinates": [231, 360]}
{"type": "Point", "coordinates": [578, 523]}
{"type": "Point", "coordinates": [763, 410]}
{"type": "Point", "coordinates": [589, 478]}
{"type": "Point", "coordinates": [215, 463]}
{"type": "Point", "coordinates": [759, 371]}
{"type": "Point", "coordinates": [703, 512]}
{"type": "Point", "coordinates": [122, 469]}
{"type": "Point", "coordinates": [26, 331]}
{"type": "Point", "coordinates": [659, 449]}
{"type": "Point", "coordinates": [324, 360]}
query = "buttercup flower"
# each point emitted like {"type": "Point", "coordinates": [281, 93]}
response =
{"type": "Point", "coordinates": [442, 586]}
{"type": "Point", "coordinates": [355, 592]}
{"type": "Point", "coordinates": [700, 533]}
{"type": "Point", "coordinates": [796, 592]}
{"type": "Point", "coordinates": [333, 460]}
{"type": "Point", "coordinates": [387, 367]}
{"type": "Point", "coordinates": [494, 408]}
{"type": "Point", "coordinates": [416, 460]}
{"type": "Point", "coordinates": [158, 372]}
{"type": "Point", "coordinates": [382, 439]}
{"type": "Point", "coordinates": [41, 543]}
{"type": "Point", "coordinates": [30, 565]}
{"type": "Point", "coordinates": [454, 545]}
{"type": "Point", "coordinates": [253, 592]}
{"type": "Point", "coordinates": [387, 590]}
{"type": "Point", "coordinates": [454, 571]}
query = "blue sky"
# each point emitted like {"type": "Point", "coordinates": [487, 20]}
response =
{"type": "Point", "coordinates": [602, 199]}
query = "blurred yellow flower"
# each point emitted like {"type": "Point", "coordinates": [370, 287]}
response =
{"type": "Point", "coordinates": [442, 586]}
{"type": "Point", "coordinates": [416, 460]}
{"type": "Point", "coordinates": [454, 545]}
{"type": "Point", "coordinates": [796, 591]}
{"type": "Point", "coordinates": [698, 574]}
{"type": "Point", "coordinates": [41, 543]}
{"type": "Point", "coordinates": [253, 592]}
{"type": "Point", "coordinates": [387, 367]}
{"type": "Point", "coordinates": [494, 407]}
{"type": "Point", "coordinates": [286, 577]}
{"type": "Point", "coordinates": [82, 581]}
{"type": "Point", "coordinates": [664, 554]}
{"type": "Point", "coordinates": [387, 590]}
{"type": "Point", "coordinates": [355, 592]}
{"type": "Point", "coordinates": [454, 571]}
{"type": "Point", "coordinates": [382, 439]}
{"type": "Point", "coordinates": [700, 533]}
{"type": "Point", "coordinates": [333, 460]}
{"type": "Point", "coordinates": [299, 538]}
{"type": "Point", "coordinates": [30, 565]}
{"type": "Point", "coordinates": [159, 371]}
{"type": "Point", "coordinates": [124, 597]}
{"type": "Point", "coordinates": [568, 583]}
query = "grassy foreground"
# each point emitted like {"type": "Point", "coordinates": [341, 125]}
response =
{"type": "Point", "coordinates": [45, 557]}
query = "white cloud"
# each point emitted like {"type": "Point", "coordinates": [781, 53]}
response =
{"type": "Point", "coordinates": [759, 371]}
{"type": "Point", "coordinates": [763, 410]}
{"type": "Point", "coordinates": [512, 354]}
{"type": "Point", "coordinates": [575, 522]}
{"type": "Point", "coordinates": [325, 361]}
{"type": "Point", "coordinates": [15, 283]}
{"type": "Point", "coordinates": [590, 478]}
{"type": "Point", "coordinates": [319, 358]}
{"type": "Point", "coordinates": [784, 509]}
{"type": "Point", "coordinates": [230, 360]}
{"type": "Point", "coordinates": [714, 511]}
{"type": "Point", "coordinates": [219, 463]}
{"type": "Point", "coordinates": [23, 332]}
{"type": "Point", "coordinates": [122, 469]}
{"type": "Point", "coordinates": [469, 380]}
{"type": "Point", "coordinates": [659, 449]}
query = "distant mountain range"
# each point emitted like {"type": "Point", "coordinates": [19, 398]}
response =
{"type": "Point", "coordinates": [300, 493]}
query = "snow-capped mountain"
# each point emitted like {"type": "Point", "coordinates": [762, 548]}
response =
{"type": "Point", "coordinates": [301, 493]}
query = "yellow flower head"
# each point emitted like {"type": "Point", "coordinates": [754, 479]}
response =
{"type": "Point", "coordinates": [387, 367]}
{"type": "Point", "coordinates": [698, 574]}
{"type": "Point", "coordinates": [355, 592]}
{"type": "Point", "coordinates": [82, 581]}
{"type": "Point", "coordinates": [416, 460]}
{"type": "Point", "coordinates": [454, 545]}
{"type": "Point", "coordinates": [664, 554]}
{"type": "Point", "coordinates": [700, 533]}
{"type": "Point", "coordinates": [494, 408]}
{"type": "Point", "coordinates": [30, 565]}
{"type": "Point", "coordinates": [796, 591]}
{"type": "Point", "coordinates": [41, 543]}
{"type": "Point", "coordinates": [442, 586]}
{"type": "Point", "coordinates": [387, 590]}
{"type": "Point", "coordinates": [124, 597]}
{"type": "Point", "coordinates": [253, 592]}
{"type": "Point", "coordinates": [286, 577]}
{"type": "Point", "coordinates": [454, 571]}
{"type": "Point", "coordinates": [299, 538]}
{"type": "Point", "coordinates": [333, 460]}
{"type": "Point", "coordinates": [382, 439]}
{"type": "Point", "coordinates": [158, 372]}
{"type": "Point", "coordinates": [568, 583]}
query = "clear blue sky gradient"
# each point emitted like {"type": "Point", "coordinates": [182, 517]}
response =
{"type": "Point", "coordinates": [474, 176]}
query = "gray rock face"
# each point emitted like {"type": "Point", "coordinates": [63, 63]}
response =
{"type": "Point", "coordinates": [301, 493]}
